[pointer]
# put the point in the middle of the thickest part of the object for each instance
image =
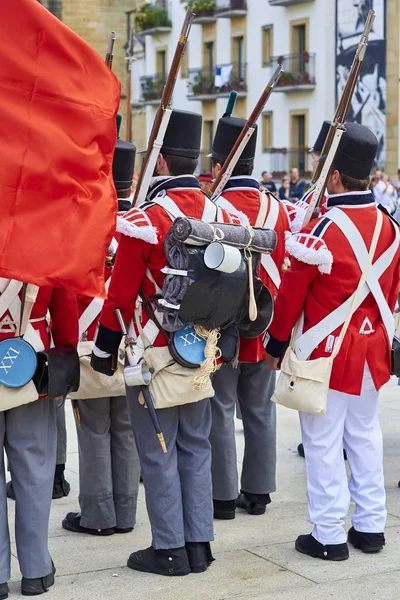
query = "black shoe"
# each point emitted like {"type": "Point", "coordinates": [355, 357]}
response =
{"type": "Point", "coordinates": [61, 487]}
{"type": "Point", "coordinates": [251, 503]}
{"type": "Point", "coordinates": [300, 450]}
{"type": "Point", "coordinates": [3, 591]}
{"type": "Point", "coordinates": [307, 544]}
{"type": "Point", "coordinates": [161, 562]}
{"type": "Point", "coordinates": [366, 542]}
{"type": "Point", "coordinates": [40, 585]}
{"type": "Point", "coordinates": [199, 555]}
{"type": "Point", "coordinates": [72, 522]}
{"type": "Point", "coordinates": [123, 529]}
{"type": "Point", "coordinates": [224, 509]}
{"type": "Point", "coordinates": [10, 490]}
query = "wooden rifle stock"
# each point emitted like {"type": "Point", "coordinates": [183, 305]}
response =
{"type": "Point", "coordinates": [246, 133]}
{"type": "Point", "coordinates": [110, 50]}
{"type": "Point", "coordinates": [166, 98]}
{"type": "Point", "coordinates": [340, 115]}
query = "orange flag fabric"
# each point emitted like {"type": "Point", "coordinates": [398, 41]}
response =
{"type": "Point", "coordinates": [58, 105]}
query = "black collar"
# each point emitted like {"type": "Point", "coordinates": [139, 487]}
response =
{"type": "Point", "coordinates": [124, 205]}
{"type": "Point", "coordinates": [171, 183]}
{"type": "Point", "coordinates": [355, 199]}
{"type": "Point", "coordinates": [241, 182]}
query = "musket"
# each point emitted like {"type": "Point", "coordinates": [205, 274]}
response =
{"type": "Point", "coordinates": [163, 114]}
{"type": "Point", "coordinates": [337, 127]}
{"type": "Point", "coordinates": [130, 59]}
{"type": "Point", "coordinates": [246, 133]}
{"type": "Point", "coordinates": [110, 50]}
{"type": "Point", "coordinates": [143, 388]}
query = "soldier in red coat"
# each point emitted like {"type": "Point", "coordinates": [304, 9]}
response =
{"type": "Point", "coordinates": [28, 434]}
{"type": "Point", "coordinates": [252, 383]}
{"type": "Point", "coordinates": [108, 461]}
{"type": "Point", "coordinates": [177, 484]}
{"type": "Point", "coordinates": [328, 257]}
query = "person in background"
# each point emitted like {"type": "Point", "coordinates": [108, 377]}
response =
{"type": "Point", "coordinates": [284, 192]}
{"type": "Point", "coordinates": [389, 196]}
{"type": "Point", "coordinates": [266, 183]}
{"type": "Point", "coordinates": [205, 181]}
{"type": "Point", "coordinates": [378, 186]}
{"type": "Point", "coordinates": [397, 183]}
{"type": "Point", "coordinates": [297, 185]}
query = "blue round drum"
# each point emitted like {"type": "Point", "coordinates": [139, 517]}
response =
{"type": "Point", "coordinates": [189, 345]}
{"type": "Point", "coordinates": [18, 362]}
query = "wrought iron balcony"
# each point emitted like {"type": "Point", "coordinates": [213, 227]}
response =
{"type": "Point", "coordinates": [287, 2]}
{"type": "Point", "coordinates": [207, 83]}
{"type": "Point", "coordinates": [230, 8]}
{"type": "Point", "coordinates": [299, 72]}
{"type": "Point", "coordinates": [152, 88]}
{"type": "Point", "coordinates": [281, 160]}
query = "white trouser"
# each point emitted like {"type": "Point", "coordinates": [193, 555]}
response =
{"type": "Point", "coordinates": [350, 422]}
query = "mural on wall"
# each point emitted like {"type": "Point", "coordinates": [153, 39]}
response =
{"type": "Point", "coordinates": [368, 106]}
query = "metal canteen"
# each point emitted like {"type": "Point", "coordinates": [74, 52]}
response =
{"type": "Point", "coordinates": [136, 375]}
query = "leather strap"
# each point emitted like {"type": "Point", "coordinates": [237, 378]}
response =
{"type": "Point", "coordinates": [306, 343]}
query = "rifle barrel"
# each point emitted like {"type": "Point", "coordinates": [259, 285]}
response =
{"type": "Point", "coordinates": [110, 50]}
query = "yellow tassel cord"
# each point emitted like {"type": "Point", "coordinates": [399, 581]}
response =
{"type": "Point", "coordinates": [202, 381]}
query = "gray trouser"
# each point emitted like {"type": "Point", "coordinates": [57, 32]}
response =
{"type": "Point", "coordinates": [28, 434]}
{"type": "Point", "coordinates": [177, 484]}
{"type": "Point", "coordinates": [61, 433]}
{"type": "Point", "coordinates": [109, 468]}
{"type": "Point", "coordinates": [252, 384]}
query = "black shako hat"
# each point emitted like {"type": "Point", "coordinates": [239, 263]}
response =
{"type": "Point", "coordinates": [320, 141]}
{"type": "Point", "coordinates": [183, 135]}
{"type": "Point", "coordinates": [123, 165]}
{"type": "Point", "coordinates": [227, 133]}
{"type": "Point", "coordinates": [357, 151]}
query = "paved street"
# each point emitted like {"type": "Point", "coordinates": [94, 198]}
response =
{"type": "Point", "coordinates": [255, 556]}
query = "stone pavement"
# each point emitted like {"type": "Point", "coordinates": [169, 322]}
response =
{"type": "Point", "coordinates": [255, 556]}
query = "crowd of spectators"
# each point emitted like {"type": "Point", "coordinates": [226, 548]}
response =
{"type": "Point", "coordinates": [292, 187]}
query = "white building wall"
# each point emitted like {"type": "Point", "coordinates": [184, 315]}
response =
{"type": "Point", "coordinates": [320, 102]}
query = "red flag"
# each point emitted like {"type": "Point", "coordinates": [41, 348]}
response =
{"type": "Point", "coordinates": [58, 131]}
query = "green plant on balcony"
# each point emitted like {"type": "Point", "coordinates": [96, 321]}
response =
{"type": "Point", "coordinates": [151, 16]}
{"type": "Point", "coordinates": [202, 84]}
{"type": "Point", "coordinates": [202, 8]}
{"type": "Point", "coordinates": [152, 88]}
{"type": "Point", "coordinates": [287, 79]}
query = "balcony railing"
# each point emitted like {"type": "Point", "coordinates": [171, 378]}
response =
{"type": "Point", "coordinates": [207, 82]}
{"type": "Point", "coordinates": [286, 2]}
{"type": "Point", "coordinates": [281, 160]}
{"type": "Point", "coordinates": [152, 88]}
{"type": "Point", "coordinates": [230, 8]}
{"type": "Point", "coordinates": [299, 72]}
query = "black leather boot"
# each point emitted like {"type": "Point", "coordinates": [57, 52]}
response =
{"type": "Point", "coordinates": [254, 504]}
{"type": "Point", "coordinates": [366, 542]}
{"type": "Point", "coordinates": [61, 486]}
{"type": "Point", "coordinates": [224, 509]}
{"type": "Point", "coordinates": [161, 562]}
{"type": "Point", "coordinates": [40, 585]}
{"type": "Point", "coordinates": [72, 522]}
{"type": "Point", "coordinates": [307, 544]}
{"type": "Point", "coordinates": [200, 556]}
{"type": "Point", "coordinates": [3, 591]}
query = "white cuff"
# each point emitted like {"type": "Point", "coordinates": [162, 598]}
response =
{"type": "Point", "coordinates": [100, 353]}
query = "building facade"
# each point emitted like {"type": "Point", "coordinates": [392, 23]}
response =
{"type": "Point", "coordinates": [236, 44]}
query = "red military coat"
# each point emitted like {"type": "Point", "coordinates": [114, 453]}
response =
{"type": "Point", "coordinates": [243, 194]}
{"type": "Point", "coordinates": [62, 307]}
{"type": "Point", "coordinates": [324, 273]}
{"type": "Point", "coordinates": [141, 255]}
{"type": "Point", "coordinates": [297, 211]}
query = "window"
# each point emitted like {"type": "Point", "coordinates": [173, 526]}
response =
{"type": "Point", "coordinates": [185, 63]}
{"type": "Point", "coordinates": [298, 140]}
{"type": "Point", "coordinates": [161, 63]}
{"type": "Point", "coordinates": [208, 56]}
{"type": "Point", "coordinates": [238, 56]}
{"type": "Point", "coordinates": [267, 131]}
{"type": "Point", "coordinates": [267, 45]}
